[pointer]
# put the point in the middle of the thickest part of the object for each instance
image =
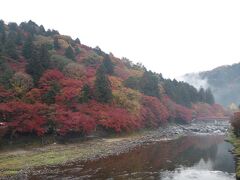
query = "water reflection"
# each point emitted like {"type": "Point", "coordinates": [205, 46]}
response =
{"type": "Point", "coordinates": [191, 157]}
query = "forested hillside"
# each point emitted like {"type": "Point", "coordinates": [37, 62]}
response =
{"type": "Point", "coordinates": [224, 81]}
{"type": "Point", "coordinates": [53, 84]}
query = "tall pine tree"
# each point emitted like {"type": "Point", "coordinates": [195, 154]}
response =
{"type": "Point", "coordinates": [38, 63]}
{"type": "Point", "coordinates": [103, 92]}
{"type": "Point", "coordinates": [69, 53]}
{"type": "Point", "coordinates": [107, 63]}
{"type": "Point", "coordinates": [28, 47]}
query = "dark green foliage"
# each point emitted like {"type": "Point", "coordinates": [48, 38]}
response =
{"type": "Point", "coordinates": [38, 63]}
{"type": "Point", "coordinates": [103, 92]}
{"type": "Point", "coordinates": [132, 82]}
{"type": "Point", "coordinates": [209, 97]}
{"type": "Point", "coordinates": [13, 26]}
{"type": "Point", "coordinates": [56, 43]}
{"type": "Point", "coordinates": [224, 80]}
{"type": "Point", "coordinates": [28, 48]}
{"type": "Point", "coordinates": [2, 32]}
{"type": "Point", "coordinates": [12, 36]}
{"type": "Point", "coordinates": [49, 97]}
{"type": "Point", "coordinates": [59, 62]}
{"type": "Point", "coordinates": [44, 56]}
{"type": "Point", "coordinates": [30, 27]}
{"type": "Point", "coordinates": [185, 94]}
{"type": "Point", "coordinates": [10, 49]}
{"type": "Point", "coordinates": [69, 53]}
{"type": "Point", "coordinates": [77, 41]}
{"type": "Point", "coordinates": [202, 95]}
{"type": "Point", "coordinates": [42, 30]}
{"type": "Point", "coordinates": [77, 51]}
{"type": "Point", "coordinates": [149, 84]}
{"type": "Point", "coordinates": [91, 61]}
{"type": "Point", "coordinates": [181, 92]}
{"type": "Point", "coordinates": [108, 65]}
{"type": "Point", "coordinates": [1, 49]}
{"type": "Point", "coordinates": [98, 51]}
{"type": "Point", "coordinates": [85, 94]}
{"type": "Point", "coordinates": [51, 32]}
{"type": "Point", "coordinates": [6, 74]}
{"type": "Point", "coordinates": [19, 38]}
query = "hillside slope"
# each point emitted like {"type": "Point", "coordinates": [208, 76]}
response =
{"type": "Point", "coordinates": [52, 84]}
{"type": "Point", "coordinates": [223, 81]}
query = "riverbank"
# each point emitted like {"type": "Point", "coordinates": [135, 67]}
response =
{"type": "Point", "coordinates": [20, 162]}
{"type": "Point", "coordinates": [236, 151]}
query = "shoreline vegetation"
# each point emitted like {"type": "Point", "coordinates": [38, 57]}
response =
{"type": "Point", "coordinates": [234, 139]}
{"type": "Point", "coordinates": [22, 161]}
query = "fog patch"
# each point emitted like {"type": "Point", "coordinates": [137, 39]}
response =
{"type": "Point", "coordinates": [195, 80]}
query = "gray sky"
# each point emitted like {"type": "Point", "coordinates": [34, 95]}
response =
{"type": "Point", "coordinates": [173, 37]}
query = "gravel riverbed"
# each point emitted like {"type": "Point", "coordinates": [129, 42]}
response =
{"type": "Point", "coordinates": [100, 147]}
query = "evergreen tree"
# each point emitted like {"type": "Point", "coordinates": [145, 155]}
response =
{"type": "Point", "coordinates": [132, 82]}
{"type": "Point", "coordinates": [69, 53]}
{"type": "Point", "coordinates": [44, 56]}
{"type": "Point", "coordinates": [49, 97]}
{"type": "Point", "coordinates": [107, 63]}
{"type": "Point", "coordinates": [19, 39]}
{"type": "Point", "coordinates": [10, 49]}
{"type": "Point", "coordinates": [209, 96]}
{"type": "Point", "coordinates": [13, 27]}
{"type": "Point", "coordinates": [42, 30]}
{"type": "Point", "coordinates": [28, 48]}
{"type": "Point", "coordinates": [85, 94]}
{"type": "Point", "coordinates": [149, 84]}
{"type": "Point", "coordinates": [6, 74]}
{"type": "Point", "coordinates": [202, 95]}
{"type": "Point", "coordinates": [38, 63]}
{"type": "Point", "coordinates": [2, 32]}
{"type": "Point", "coordinates": [77, 41]}
{"type": "Point", "coordinates": [56, 43]}
{"type": "Point", "coordinates": [103, 92]}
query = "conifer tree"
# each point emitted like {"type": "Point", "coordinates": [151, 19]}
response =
{"type": "Point", "coordinates": [85, 94]}
{"type": "Point", "coordinates": [107, 63]}
{"type": "Point", "coordinates": [69, 53]}
{"type": "Point", "coordinates": [38, 63]}
{"type": "Point", "coordinates": [209, 96]}
{"type": "Point", "coordinates": [28, 48]}
{"type": "Point", "coordinates": [103, 92]}
{"type": "Point", "coordinates": [56, 43]}
{"type": "Point", "coordinates": [10, 49]}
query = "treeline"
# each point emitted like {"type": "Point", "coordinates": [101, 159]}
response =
{"type": "Point", "coordinates": [185, 94]}
{"type": "Point", "coordinates": [182, 93]}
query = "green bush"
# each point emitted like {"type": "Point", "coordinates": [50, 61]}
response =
{"type": "Point", "coordinates": [59, 62]}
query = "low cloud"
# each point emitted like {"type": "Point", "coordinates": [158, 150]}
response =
{"type": "Point", "coordinates": [195, 80]}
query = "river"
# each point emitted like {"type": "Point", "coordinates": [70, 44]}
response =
{"type": "Point", "coordinates": [192, 157]}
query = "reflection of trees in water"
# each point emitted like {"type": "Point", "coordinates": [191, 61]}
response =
{"type": "Point", "coordinates": [186, 151]}
{"type": "Point", "coordinates": [201, 148]}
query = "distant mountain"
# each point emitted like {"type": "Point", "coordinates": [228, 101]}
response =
{"type": "Point", "coordinates": [224, 82]}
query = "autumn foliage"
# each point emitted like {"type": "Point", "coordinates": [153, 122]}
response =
{"type": "Point", "coordinates": [236, 123]}
{"type": "Point", "coordinates": [57, 85]}
{"type": "Point", "coordinates": [24, 118]}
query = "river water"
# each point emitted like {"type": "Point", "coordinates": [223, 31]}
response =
{"type": "Point", "coordinates": [199, 157]}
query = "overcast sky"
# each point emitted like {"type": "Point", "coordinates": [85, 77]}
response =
{"type": "Point", "coordinates": [173, 37]}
